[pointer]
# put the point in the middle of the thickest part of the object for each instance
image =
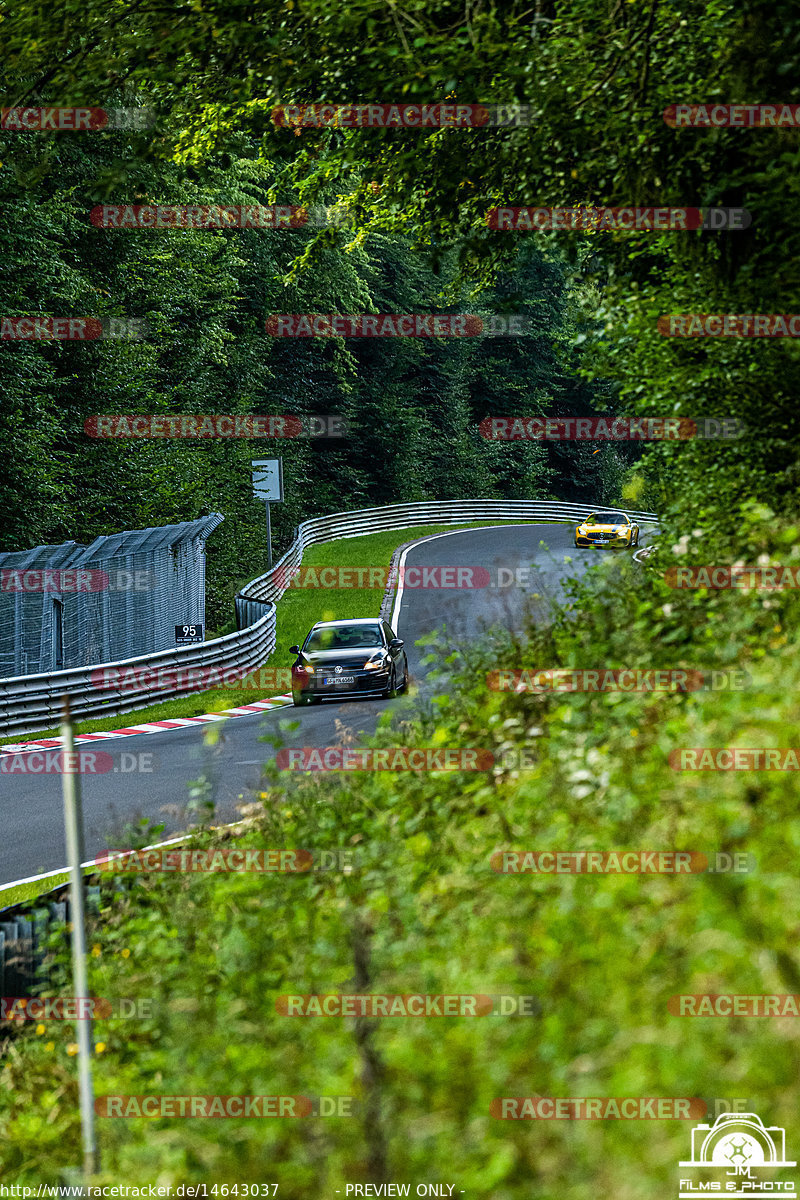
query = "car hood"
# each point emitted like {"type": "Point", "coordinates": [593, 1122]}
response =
{"type": "Point", "coordinates": [345, 658]}
{"type": "Point", "coordinates": [605, 528]}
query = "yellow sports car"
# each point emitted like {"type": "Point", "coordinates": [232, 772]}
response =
{"type": "Point", "coordinates": [607, 529]}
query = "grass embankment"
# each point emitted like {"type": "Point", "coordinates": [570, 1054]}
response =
{"type": "Point", "coordinates": [20, 892]}
{"type": "Point", "coordinates": [296, 613]}
{"type": "Point", "coordinates": [423, 911]}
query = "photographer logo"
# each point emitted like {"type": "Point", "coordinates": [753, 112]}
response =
{"type": "Point", "coordinates": [737, 1156]}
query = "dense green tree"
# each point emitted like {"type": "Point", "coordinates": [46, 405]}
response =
{"type": "Point", "coordinates": [411, 407]}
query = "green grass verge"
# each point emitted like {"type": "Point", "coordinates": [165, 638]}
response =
{"type": "Point", "coordinates": [297, 612]}
{"type": "Point", "coordinates": [21, 892]}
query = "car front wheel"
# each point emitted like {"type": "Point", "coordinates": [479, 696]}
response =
{"type": "Point", "coordinates": [391, 688]}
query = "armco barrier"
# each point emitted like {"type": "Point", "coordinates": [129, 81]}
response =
{"type": "Point", "coordinates": [25, 931]}
{"type": "Point", "coordinates": [33, 702]}
{"type": "Point", "coordinates": [271, 585]}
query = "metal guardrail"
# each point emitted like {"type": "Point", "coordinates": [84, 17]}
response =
{"type": "Point", "coordinates": [25, 932]}
{"type": "Point", "coordinates": [273, 583]}
{"type": "Point", "coordinates": [33, 702]}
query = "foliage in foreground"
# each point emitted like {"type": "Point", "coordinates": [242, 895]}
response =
{"type": "Point", "coordinates": [422, 910]}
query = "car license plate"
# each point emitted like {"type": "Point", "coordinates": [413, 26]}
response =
{"type": "Point", "coordinates": [338, 679]}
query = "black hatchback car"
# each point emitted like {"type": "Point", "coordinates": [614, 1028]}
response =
{"type": "Point", "coordinates": [360, 657]}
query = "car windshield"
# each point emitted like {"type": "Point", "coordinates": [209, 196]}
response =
{"type": "Point", "coordinates": [607, 519]}
{"type": "Point", "coordinates": [344, 637]}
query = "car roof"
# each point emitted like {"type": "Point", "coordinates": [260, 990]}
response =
{"type": "Point", "coordinates": [352, 621]}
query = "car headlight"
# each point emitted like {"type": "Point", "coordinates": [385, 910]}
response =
{"type": "Point", "coordinates": [305, 669]}
{"type": "Point", "coordinates": [374, 664]}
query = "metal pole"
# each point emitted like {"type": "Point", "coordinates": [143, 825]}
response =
{"type": "Point", "coordinates": [73, 825]}
{"type": "Point", "coordinates": [269, 539]}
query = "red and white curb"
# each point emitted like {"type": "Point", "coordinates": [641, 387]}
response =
{"type": "Point", "coordinates": [245, 710]}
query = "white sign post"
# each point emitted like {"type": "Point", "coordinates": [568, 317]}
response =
{"type": "Point", "coordinates": [268, 486]}
{"type": "Point", "coordinates": [73, 824]}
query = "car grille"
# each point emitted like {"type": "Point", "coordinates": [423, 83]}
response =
{"type": "Point", "coordinates": [356, 673]}
{"type": "Point", "coordinates": [344, 668]}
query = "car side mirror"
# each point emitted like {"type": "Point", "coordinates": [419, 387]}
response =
{"type": "Point", "coordinates": [294, 649]}
{"type": "Point", "coordinates": [396, 644]}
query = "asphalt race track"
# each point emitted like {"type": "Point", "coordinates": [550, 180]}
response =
{"type": "Point", "coordinates": [32, 822]}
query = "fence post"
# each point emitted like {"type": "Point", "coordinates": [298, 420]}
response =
{"type": "Point", "coordinates": [73, 825]}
